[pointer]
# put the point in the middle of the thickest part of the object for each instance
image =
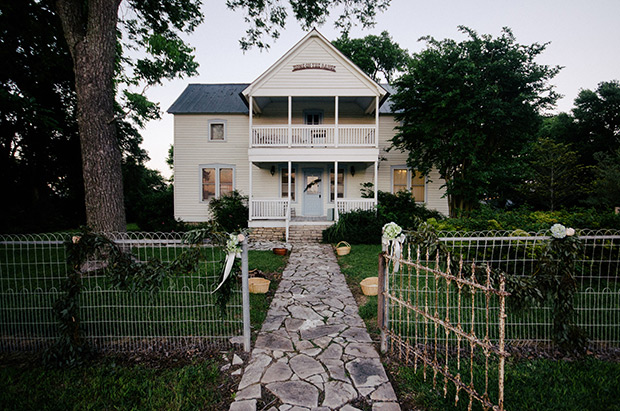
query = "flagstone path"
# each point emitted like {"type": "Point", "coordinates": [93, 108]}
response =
{"type": "Point", "coordinates": [313, 351]}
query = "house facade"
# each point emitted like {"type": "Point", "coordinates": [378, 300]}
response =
{"type": "Point", "coordinates": [299, 141]}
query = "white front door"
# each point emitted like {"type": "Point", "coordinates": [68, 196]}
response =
{"type": "Point", "coordinates": [313, 192]}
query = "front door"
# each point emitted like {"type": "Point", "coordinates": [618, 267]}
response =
{"type": "Point", "coordinates": [313, 192]}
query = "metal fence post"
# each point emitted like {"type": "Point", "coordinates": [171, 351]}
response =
{"type": "Point", "coordinates": [382, 308]}
{"type": "Point", "coordinates": [245, 290]}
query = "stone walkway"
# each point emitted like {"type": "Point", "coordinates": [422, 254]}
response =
{"type": "Point", "coordinates": [313, 352]}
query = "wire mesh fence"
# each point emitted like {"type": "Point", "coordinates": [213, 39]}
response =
{"type": "Point", "coordinates": [182, 313]}
{"type": "Point", "coordinates": [597, 301]}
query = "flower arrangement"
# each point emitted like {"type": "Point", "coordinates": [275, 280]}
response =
{"type": "Point", "coordinates": [232, 244]}
{"type": "Point", "coordinates": [391, 231]}
{"type": "Point", "coordinates": [393, 238]}
{"type": "Point", "coordinates": [559, 231]}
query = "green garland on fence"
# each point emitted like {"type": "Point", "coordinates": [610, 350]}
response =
{"type": "Point", "coordinates": [552, 281]}
{"type": "Point", "coordinates": [124, 272]}
{"type": "Point", "coordinates": [557, 281]}
{"type": "Point", "coordinates": [523, 291]}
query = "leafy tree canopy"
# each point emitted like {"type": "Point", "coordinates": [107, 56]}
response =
{"type": "Point", "coordinates": [597, 119]}
{"type": "Point", "coordinates": [554, 177]}
{"type": "Point", "coordinates": [606, 187]}
{"type": "Point", "coordinates": [39, 141]}
{"type": "Point", "coordinates": [91, 29]}
{"type": "Point", "coordinates": [375, 55]}
{"type": "Point", "coordinates": [266, 18]}
{"type": "Point", "coordinates": [468, 108]}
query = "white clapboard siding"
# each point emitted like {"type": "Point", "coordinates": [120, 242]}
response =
{"type": "Point", "coordinates": [192, 148]}
{"type": "Point", "coordinates": [434, 192]}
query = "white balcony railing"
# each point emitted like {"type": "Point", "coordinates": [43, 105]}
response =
{"type": "Point", "coordinates": [269, 209]}
{"type": "Point", "coordinates": [346, 205]}
{"type": "Point", "coordinates": [314, 136]}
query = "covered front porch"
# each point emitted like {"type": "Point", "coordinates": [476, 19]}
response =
{"type": "Point", "coordinates": [295, 192]}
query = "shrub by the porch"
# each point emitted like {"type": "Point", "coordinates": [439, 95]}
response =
{"type": "Point", "coordinates": [356, 227]}
{"type": "Point", "coordinates": [230, 211]}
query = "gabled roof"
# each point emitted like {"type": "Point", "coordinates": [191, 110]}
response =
{"type": "Point", "coordinates": [282, 69]}
{"type": "Point", "coordinates": [211, 99]}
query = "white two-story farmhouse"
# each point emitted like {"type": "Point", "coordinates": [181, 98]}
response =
{"type": "Point", "coordinates": [299, 141]}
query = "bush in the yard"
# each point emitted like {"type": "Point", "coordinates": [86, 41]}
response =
{"type": "Point", "coordinates": [489, 218]}
{"type": "Point", "coordinates": [156, 212]}
{"type": "Point", "coordinates": [355, 227]}
{"type": "Point", "coordinates": [230, 211]}
{"type": "Point", "coordinates": [402, 209]}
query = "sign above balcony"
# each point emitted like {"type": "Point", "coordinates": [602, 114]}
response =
{"type": "Point", "coordinates": [314, 66]}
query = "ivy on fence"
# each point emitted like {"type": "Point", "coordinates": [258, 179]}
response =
{"type": "Point", "coordinates": [553, 280]}
{"type": "Point", "coordinates": [556, 280]}
{"type": "Point", "coordinates": [125, 272]}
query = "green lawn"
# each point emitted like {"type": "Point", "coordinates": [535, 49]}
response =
{"type": "Point", "coordinates": [272, 266]}
{"type": "Point", "coordinates": [362, 262]}
{"type": "Point", "coordinates": [107, 384]}
{"type": "Point", "coordinates": [531, 384]}
{"type": "Point", "coordinates": [541, 384]}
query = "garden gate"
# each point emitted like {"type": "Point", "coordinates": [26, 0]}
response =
{"type": "Point", "coordinates": [446, 316]}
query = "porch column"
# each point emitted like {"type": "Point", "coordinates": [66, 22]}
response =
{"type": "Point", "coordinates": [290, 118]}
{"type": "Point", "coordinates": [288, 212]}
{"type": "Point", "coordinates": [376, 180]}
{"type": "Point", "coordinates": [335, 190]}
{"type": "Point", "coordinates": [336, 122]}
{"type": "Point", "coordinates": [376, 123]}
{"type": "Point", "coordinates": [250, 193]}
{"type": "Point", "coordinates": [251, 112]}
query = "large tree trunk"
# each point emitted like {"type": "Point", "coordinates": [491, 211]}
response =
{"type": "Point", "coordinates": [90, 31]}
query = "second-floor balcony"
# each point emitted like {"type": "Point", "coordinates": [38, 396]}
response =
{"type": "Point", "coordinates": [314, 136]}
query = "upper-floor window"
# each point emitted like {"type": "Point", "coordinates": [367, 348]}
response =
{"type": "Point", "coordinates": [410, 180]}
{"type": "Point", "coordinates": [216, 180]}
{"type": "Point", "coordinates": [217, 130]}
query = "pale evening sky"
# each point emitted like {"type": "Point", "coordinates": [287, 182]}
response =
{"type": "Point", "coordinates": [584, 37]}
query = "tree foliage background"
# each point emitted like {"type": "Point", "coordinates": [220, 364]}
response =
{"type": "Point", "coordinates": [470, 109]}
{"type": "Point", "coordinates": [73, 91]}
{"type": "Point", "coordinates": [378, 56]}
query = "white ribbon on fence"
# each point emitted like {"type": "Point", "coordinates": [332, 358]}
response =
{"type": "Point", "coordinates": [393, 240]}
{"type": "Point", "coordinates": [234, 251]}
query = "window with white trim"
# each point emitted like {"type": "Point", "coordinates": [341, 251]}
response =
{"type": "Point", "coordinates": [340, 184]}
{"type": "Point", "coordinates": [217, 130]}
{"type": "Point", "coordinates": [216, 180]}
{"type": "Point", "coordinates": [409, 180]}
{"type": "Point", "coordinates": [284, 183]}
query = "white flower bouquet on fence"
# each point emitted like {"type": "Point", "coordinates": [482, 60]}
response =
{"type": "Point", "coordinates": [392, 241]}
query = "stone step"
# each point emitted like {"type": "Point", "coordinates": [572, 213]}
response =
{"type": "Point", "coordinates": [306, 234]}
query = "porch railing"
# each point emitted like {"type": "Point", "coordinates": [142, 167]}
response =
{"type": "Point", "coordinates": [269, 209]}
{"type": "Point", "coordinates": [314, 136]}
{"type": "Point", "coordinates": [346, 205]}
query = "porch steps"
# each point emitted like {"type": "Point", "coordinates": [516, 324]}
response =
{"type": "Point", "coordinates": [306, 233]}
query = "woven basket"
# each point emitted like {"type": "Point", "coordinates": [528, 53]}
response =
{"type": "Point", "coordinates": [343, 249]}
{"type": "Point", "coordinates": [370, 285]}
{"type": "Point", "coordinates": [258, 285]}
